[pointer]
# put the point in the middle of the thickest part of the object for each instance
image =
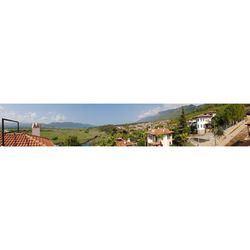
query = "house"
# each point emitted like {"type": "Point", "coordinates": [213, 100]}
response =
{"type": "Point", "coordinates": [17, 139]}
{"type": "Point", "coordinates": [159, 137]}
{"type": "Point", "coordinates": [21, 139]}
{"type": "Point", "coordinates": [123, 143]}
{"type": "Point", "coordinates": [203, 123]}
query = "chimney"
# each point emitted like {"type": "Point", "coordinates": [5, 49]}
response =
{"type": "Point", "coordinates": [36, 129]}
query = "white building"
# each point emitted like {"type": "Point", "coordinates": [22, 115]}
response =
{"type": "Point", "coordinates": [203, 122]}
{"type": "Point", "coordinates": [160, 137]}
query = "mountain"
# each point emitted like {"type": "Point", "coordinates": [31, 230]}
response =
{"type": "Point", "coordinates": [170, 113]}
{"type": "Point", "coordinates": [53, 125]}
{"type": "Point", "coordinates": [67, 125]}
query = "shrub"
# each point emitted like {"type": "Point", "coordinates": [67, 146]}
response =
{"type": "Point", "coordinates": [72, 141]}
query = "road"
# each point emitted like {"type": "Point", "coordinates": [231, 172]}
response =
{"type": "Point", "coordinates": [231, 136]}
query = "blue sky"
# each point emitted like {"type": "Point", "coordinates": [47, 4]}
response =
{"type": "Point", "coordinates": [96, 114]}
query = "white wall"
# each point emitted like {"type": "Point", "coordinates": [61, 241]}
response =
{"type": "Point", "coordinates": [167, 140]}
{"type": "Point", "coordinates": [200, 124]}
{"type": "Point", "coordinates": [36, 131]}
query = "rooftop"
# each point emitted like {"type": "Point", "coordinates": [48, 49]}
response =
{"type": "Point", "coordinates": [203, 116]}
{"type": "Point", "coordinates": [24, 140]}
{"type": "Point", "coordinates": [160, 131]}
{"type": "Point", "coordinates": [123, 143]}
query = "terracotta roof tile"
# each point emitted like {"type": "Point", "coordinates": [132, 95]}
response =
{"type": "Point", "coordinates": [203, 116]}
{"type": "Point", "coordinates": [24, 140]}
{"type": "Point", "coordinates": [123, 143]}
{"type": "Point", "coordinates": [160, 131]}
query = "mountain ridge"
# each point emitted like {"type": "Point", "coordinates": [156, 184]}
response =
{"type": "Point", "coordinates": [169, 113]}
{"type": "Point", "coordinates": [53, 125]}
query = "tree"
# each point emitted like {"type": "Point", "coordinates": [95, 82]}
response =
{"type": "Point", "coordinates": [72, 141]}
{"type": "Point", "coordinates": [141, 142]}
{"type": "Point", "coordinates": [181, 133]}
{"type": "Point", "coordinates": [182, 120]}
{"type": "Point", "coordinates": [229, 115]}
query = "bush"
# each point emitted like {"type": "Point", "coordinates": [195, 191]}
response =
{"type": "Point", "coordinates": [72, 141]}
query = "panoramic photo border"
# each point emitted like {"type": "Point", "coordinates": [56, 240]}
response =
{"type": "Point", "coordinates": [124, 125]}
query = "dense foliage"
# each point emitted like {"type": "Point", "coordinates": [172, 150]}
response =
{"type": "Point", "coordinates": [229, 115]}
{"type": "Point", "coordinates": [182, 131]}
{"type": "Point", "coordinates": [72, 141]}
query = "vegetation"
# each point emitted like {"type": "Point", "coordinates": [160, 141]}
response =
{"type": "Point", "coordinates": [72, 141]}
{"type": "Point", "coordinates": [60, 136]}
{"type": "Point", "coordinates": [182, 131]}
{"type": "Point", "coordinates": [113, 132]}
{"type": "Point", "coordinates": [230, 115]}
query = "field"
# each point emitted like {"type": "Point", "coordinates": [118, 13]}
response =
{"type": "Point", "coordinates": [84, 135]}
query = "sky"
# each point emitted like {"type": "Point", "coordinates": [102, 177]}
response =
{"type": "Point", "coordinates": [95, 114]}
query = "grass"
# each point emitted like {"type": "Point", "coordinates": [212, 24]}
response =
{"type": "Point", "coordinates": [59, 136]}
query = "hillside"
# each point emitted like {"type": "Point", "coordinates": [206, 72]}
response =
{"type": "Point", "coordinates": [169, 114]}
{"type": "Point", "coordinates": [190, 110]}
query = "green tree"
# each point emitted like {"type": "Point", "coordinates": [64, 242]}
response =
{"type": "Point", "coordinates": [183, 121]}
{"type": "Point", "coordinates": [181, 133]}
{"type": "Point", "coordinates": [72, 141]}
{"type": "Point", "coordinates": [229, 115]}
{"type": "Point", "coordinates": [141, 142]}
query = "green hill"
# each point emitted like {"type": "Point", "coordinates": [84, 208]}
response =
{"type": "Point", "coordinates": [190, 110]}
{"type": "Point", "coordinates": [169, 114]}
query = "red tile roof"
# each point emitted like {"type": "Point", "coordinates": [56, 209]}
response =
{"type": "Point", "coordinates": [160, 131]}
{"type": "Point", "coordinates": [203, 116]}
{"type": "Point", "coordinates": [123, 143]}
{"type": "Point", "coordinates": [24, 140]}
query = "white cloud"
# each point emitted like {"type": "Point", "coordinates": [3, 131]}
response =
{"type": "Point", "coordinates": [25, 117]}
{"type": "Point", "coordinates": [29, 117]}
{"type": "Point", "coordinates": [158, 109]}
{"type": "Point", "coordinates": [52, 117]}
{"type": "Point", "coordinates": [59, 118]}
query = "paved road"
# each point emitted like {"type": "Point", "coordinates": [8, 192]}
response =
{"type": "Point", "coordinates": [231, 134]}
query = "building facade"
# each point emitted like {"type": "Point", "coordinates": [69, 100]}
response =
{"type": "Point", "coordinates": [203, 123]}
{"type": "Point", "coordinates": [159, 137]}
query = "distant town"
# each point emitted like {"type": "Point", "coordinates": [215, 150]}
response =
{"type": "Point", "coordinates": [185, 125]}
